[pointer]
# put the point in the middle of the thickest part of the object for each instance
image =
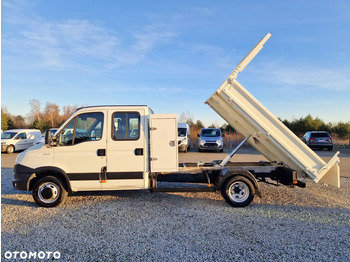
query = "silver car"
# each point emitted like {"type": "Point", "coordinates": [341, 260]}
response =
{"type": "Point", "coordinates": [210, 139]}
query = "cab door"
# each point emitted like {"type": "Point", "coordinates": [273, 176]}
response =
{"type": "Point", "coordinates": [126, 156]}
{"type": "Point", "coordinates": [81, 150]}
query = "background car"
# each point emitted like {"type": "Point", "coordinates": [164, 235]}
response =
{"type": "Point", "coordinates": [18, 139]}
{"type": "Point", "coordinates": [318, 139]}
{"type": "Point", "coordinates": [210, 139]}
{"type": "Point", "coordinates": [183, 137]}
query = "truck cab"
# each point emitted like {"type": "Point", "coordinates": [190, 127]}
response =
{"type": "Point", "coordinates": [100, 148]}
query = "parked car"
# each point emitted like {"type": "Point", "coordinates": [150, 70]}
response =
{"type": "Point", "coordinates": [183, 137]}
{"type": "Point", "coordinates": [42, 138]}
{"type": "Point", "coordinates": [210, 139]}
{"type": "Point", "coordinates": [318, 139]}
{"type": "Point", "coordinates": [18, 139]}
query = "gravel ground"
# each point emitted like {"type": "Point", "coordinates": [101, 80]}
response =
{"type": "Point", "coordinates": [311, 224]}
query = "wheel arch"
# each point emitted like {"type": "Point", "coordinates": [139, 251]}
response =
{"type": "Point", "coordinates": [50, 171]}
{"type": "Point", "coordinates": [226, 174]}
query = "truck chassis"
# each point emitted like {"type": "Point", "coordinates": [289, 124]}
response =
{"type": "Point", "coordinates": [237, 182]}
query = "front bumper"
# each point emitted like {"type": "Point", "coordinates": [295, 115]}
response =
{"type": "Point", "coordinates": [210, 146]}
{"type": "Point", "coordinates": [22, 177]}
{"type": "Point", "coordinates": [3, 148]}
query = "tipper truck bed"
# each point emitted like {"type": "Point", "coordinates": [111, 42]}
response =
{"type": "Point", "coordinates": [131, 148]}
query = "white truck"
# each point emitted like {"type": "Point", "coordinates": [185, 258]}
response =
{"type": "Point", "coordinates": [131, 148]}
{"type": "Point", "coordinates": [183, 137]}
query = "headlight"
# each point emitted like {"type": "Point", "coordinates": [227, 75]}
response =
{"type": "Point", "coordinates": [3, 143]}
{"type": "Point", "coordinates": [20, 157]}
{"type": "Point", "coordinates": [202, 142]}
{"type": "Point", "coordinates": [219, 142]}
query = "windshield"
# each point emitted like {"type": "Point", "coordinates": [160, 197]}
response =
{"type": "Point", "coordinates": [181, 132]}
{"type": "Point", "coordinates": [210, 132]}
{"type": "Point", "coordinates": [8, 135]}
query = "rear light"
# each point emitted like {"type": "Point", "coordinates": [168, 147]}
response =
{"type": "Point", "coordinates": [329, 139]}
{"type": "Point", "coordinates": [312, 139]}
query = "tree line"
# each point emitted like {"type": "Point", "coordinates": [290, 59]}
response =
{"type": "Point", "coordinates": [37, 118]}
{"type": "Point", "coordinates": [298, 126]}
{"type": "Point", "coordinates": [51, 116]}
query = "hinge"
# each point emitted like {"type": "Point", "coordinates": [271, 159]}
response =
{"type": "Point", "coordinates": [154, 159]}
{"type": "Point", "coordinates": [153, 128]}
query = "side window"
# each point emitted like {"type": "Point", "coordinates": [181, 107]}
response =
{"type": "Point", "coordinates": [21, 136]}
{"type": "Point", "coordinates": [126, 126]}
{"type": "Point", "coordinates": [82, 128]}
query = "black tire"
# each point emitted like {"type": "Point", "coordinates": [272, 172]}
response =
{"type": "Point", "coordinates": [329, 148]}
{"type": "Point", "coordinates": [10, 149]}
{"type": "Point", "coordinates": [238, 191]}
{"type": "Point", "coordinates": [49, 192]}
{"type": "Point", "coordinates": [221, 150]}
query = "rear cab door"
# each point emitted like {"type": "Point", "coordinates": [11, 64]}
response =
{"type": "Point", "coordinates": [127, 153]}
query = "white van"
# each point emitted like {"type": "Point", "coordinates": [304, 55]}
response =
{"type": "Point", "coordinates": [183, 137]}
{"type": "Point", "coordinates": [18, 139]}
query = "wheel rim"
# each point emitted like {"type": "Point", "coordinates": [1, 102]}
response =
{"type": "Point", "coordinates": [10, 149]}
{"type": "Point", "coordinates": [48, 192]}
{"type": "Point", "coordinates": [238, 192]}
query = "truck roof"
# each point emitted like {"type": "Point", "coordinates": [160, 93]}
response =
{"type": "Point", "coordinates": [116, 106]}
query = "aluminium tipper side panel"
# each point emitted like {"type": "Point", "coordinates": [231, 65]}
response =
{"type": "Point", "coordinates": [269, 135]}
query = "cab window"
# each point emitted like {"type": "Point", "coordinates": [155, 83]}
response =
{"type": "Point", "coordinates": [82, 128]}
{"type": "Point", "coordinates": [126, 126]}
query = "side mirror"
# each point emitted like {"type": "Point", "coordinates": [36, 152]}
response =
{"type": "Point", "coordinates": [198, 135]}
{"type": "Point", "coordinates": [50, 140]}
{"type": "Point", "coordinates": [223, 135]}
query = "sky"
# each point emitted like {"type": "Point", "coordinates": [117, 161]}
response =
{"type": "Point", "coordinates": [172, 55]}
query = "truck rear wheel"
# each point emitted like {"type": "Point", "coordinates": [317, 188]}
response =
{"type": "Point", "coordinates": [49, 192]}
{"type": "Point", "coordinates": [238, 191]}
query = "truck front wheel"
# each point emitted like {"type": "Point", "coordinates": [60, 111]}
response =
{"type": "Point", "coordinates": [238, 191]}
{"type": "Point", "coordinates": [49, 192]}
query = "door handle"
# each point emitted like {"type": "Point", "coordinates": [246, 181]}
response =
{"type": "Point", "coordinates": [101, 152]}
{"type": "Point", "coordinates": [138, 151]}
